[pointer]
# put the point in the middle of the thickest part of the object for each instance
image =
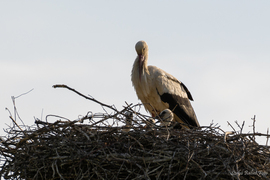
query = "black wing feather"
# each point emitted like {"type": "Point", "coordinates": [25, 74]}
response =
{"type": "Point", "coordinates": [175, 105]}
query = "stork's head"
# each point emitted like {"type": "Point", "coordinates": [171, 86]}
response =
{"type": "Point", "coordinates": [142, 51]}
{"type": "Point", "coordinates": [141, 48]}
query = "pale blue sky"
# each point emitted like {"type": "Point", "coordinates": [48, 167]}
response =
{"type": "Point", "coordinates": [219, 49]}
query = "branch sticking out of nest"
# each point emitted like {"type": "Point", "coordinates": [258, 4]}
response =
{"type": "Point", "coordinates": [68, 149]}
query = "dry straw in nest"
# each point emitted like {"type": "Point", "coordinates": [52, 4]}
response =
{"type": "Point", "coordinates": [104, 149]}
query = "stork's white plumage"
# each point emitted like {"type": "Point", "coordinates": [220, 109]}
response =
{"type": "Point", "coordinates": [159, 90]}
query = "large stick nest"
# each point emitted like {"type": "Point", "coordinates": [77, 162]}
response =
{"type": "Point", "coordinates": [102, 149]}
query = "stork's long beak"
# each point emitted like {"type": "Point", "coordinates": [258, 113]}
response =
{"type": "Point", "coordinates": [141, 60]}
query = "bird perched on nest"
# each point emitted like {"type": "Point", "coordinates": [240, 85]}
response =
{"type": "Point", "coordinates": [166, 117]}
{"type": "Point", "coordinates": [128, 121]}
{"type": "Point", "coordinates": [158, 90]}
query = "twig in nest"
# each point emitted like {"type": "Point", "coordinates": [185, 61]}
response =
{"type": "Point", "coordinates": [267, 137]}
{"type": "Point", "coordinates": [15, 109]}
{"type": "Point", "coordinates": [231, 126]}
{"type": "Point", "coordinates": [253, 125]}
{"type": "Point", "coordinates": [86, 97]}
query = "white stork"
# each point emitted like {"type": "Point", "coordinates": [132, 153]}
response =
{"type": "Point", "coordinates": [159, 90]}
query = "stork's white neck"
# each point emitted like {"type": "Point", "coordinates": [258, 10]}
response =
{"type": "Point", "coordinates": [140, 82]}
{"type": "Point", "coordinates": [140, 71]}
